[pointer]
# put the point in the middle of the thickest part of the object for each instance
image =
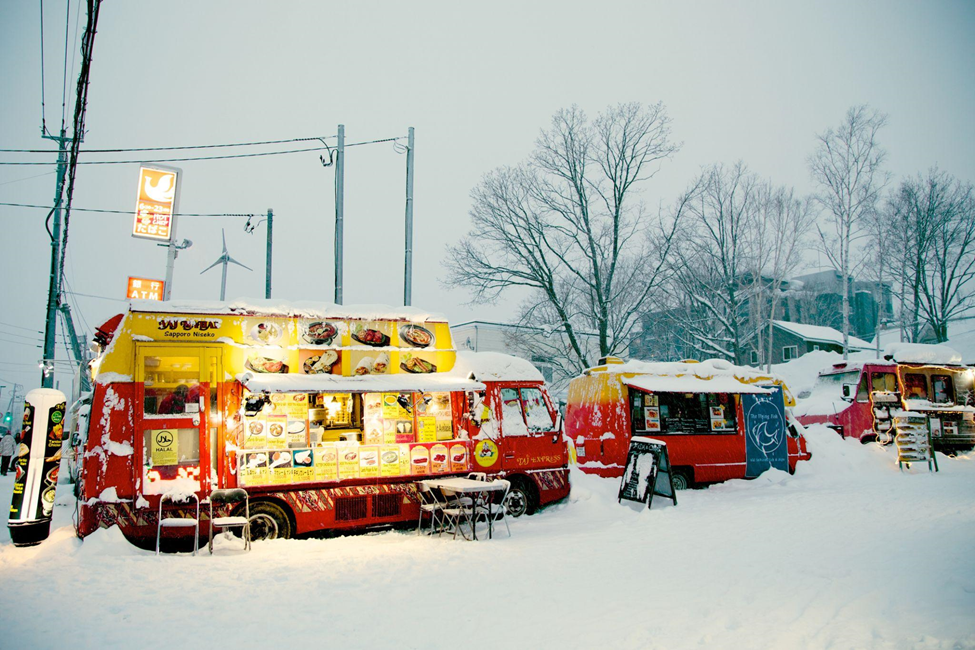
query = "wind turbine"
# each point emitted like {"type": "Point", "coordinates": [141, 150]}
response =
{"type": "Point", "coordinates": [224, 259]}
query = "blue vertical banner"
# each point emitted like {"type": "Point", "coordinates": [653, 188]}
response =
{"type": "Point", "coordinates": [765, 432]}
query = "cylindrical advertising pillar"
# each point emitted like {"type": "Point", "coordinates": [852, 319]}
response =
{"type": "Point", "coordinates": [38, 458]}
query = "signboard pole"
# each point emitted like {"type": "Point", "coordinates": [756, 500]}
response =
{"type": "Point", "coordinates": [170, 260]}
{"type": "Point", "coordinates": [54, 286]}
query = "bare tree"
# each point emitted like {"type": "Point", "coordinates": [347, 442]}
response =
{"type": "Point", "coordinates": [782, 222]}
{"type": "Point", "coordinates": [932, 221]}
{"type": "Point", "coordinates": [567, 226]}
{"type": "Point", "coordinates": [847, 167]}
{"type": "Point", "coordinates": [714, 263]}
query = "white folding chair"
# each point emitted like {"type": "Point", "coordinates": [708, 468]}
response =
{"type": "Point", "coordinates": [429, 504]}
{"type": "Point", "coordinates": [179, 522]}
{"type": "Point", "coordinates": [458, 513]}
{"type": "Point", "coordinates": [496, 511]}
{"type": "Point", "coordinates": [223, 497]}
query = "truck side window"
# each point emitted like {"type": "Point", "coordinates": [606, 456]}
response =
{"type": "Point", "coordinates": [512, 419]}
{"type": "Point", "coordinates": [537, 415]}
{"type": "Point", "coordinates": [884, 381]}
{"type": "Point", "coordinates": [863, 394]}
{"type": "Point", "coordinates": [942, 389]}
{"type": "Point", "coordinates": [915, 386]}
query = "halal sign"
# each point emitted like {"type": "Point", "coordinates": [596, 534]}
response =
{"type": "Point", "coordinates": [155, 203]}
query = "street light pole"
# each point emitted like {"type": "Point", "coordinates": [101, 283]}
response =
{"type": "Point", "coordinates": [267, 279]}
{"type": "Point", "coordinates": [54, 283]}
{"type": "Point", "coordinates": [339, 210]}
{"type": "Point", "coordinates": [408, 272]}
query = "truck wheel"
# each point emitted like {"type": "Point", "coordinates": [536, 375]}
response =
{"type": "Point", "coordinates": [679, 477]}
{"type": "Point", "coordinates": [519, 500]}
{"type": "Point", "coordinates": [269, 521]}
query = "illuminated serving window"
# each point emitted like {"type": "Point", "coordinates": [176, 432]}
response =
{"type": "Point", "coordinates": [682, 412]}
{"type": "Point", "coordinates": [915, 386]}
{"type": "Point", "coordinates": [320, 437]}
{"type": "Point", "coordinates": [172, 385]}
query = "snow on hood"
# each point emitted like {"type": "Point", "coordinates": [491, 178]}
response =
{"type": "Point", "coordinates": [494, 366]}
{"type": "Point", "coordinates": [707, 369]}
{"type": "Point", "coordinates": [922, 353]}
{"type": "Point", "coordinates": [301, 308]}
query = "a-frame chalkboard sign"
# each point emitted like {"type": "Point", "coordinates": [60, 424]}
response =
{"type": "Point", "coordinates": [647, 472]}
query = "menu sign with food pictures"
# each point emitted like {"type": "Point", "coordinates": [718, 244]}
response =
{"type": "Point", "coordinates": [277, 425]}
{"type": "Point", "coordinates": [389, 460]}
{"type": "Point", "coordinates": [348, 461]}
{"type": "Point", "coordinates": [38, 456]}
{"type": "Point", "coordinates": [428, 429]}
{"type": "Point", "coordinates": [255, 432]}
{"type": "Point", "coordinates": [368, 461]}
{"type": "Point", "coordinates": [326, 463]}
{"type": "Point", "coordinates": [280, 466]}
{"type": "Point", "coordinates": [252, 469]}
{"type": "Point", "coordinates": [303, 465]}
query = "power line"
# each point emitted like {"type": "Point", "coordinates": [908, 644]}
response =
{"type": "Point", "coordinates": [88, 295]}
{"type": "Point", "coordinates": [167, 160]}
{"type": "Point", "coordinates": [188, 147]}
{"type": "Point", "coordinates": [196, 158]}
{"type": "Point", "coordinates": [20, 327]}
{"type": "Point", "coordinates": [128, 212]}
{"type": "Point", "coordinates": [18, 180]}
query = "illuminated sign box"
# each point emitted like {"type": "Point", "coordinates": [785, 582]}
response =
{"type": "Point", "coordinates": [145, 289]}
{"type": "Point", "coordinates": [155, 203]}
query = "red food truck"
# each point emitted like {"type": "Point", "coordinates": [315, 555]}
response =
{"type": "Point", "coordinates": [326, 416]}
{"type": "Point", "coordinates": [860, 398]}
{"type": "Point", "coordinates": [719, 421]}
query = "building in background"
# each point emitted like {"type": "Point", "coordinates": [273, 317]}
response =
{"type": "Point", "coordinates": [792, 340]}
{"type": "Point", "coordinates": [525, 342]}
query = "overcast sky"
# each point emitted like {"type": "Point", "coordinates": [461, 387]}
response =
{"type": "Point", "coordinates": [742, 80]}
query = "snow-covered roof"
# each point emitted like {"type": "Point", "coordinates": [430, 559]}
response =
{"type": "Point", "coordinates": [691, 384]}
{"type": "Point", "coordinates": [708, 376]}
{"type": "Point", "coordinates": [922, 353]}
{"type": "Point", "coordinates": [301, 308]}
{"type": "Point", "coordinates": [494, 366]}
{"type": "Point", "coordinates": [821, 334]}
{"type": "Point", "coordinates": [435, 382]}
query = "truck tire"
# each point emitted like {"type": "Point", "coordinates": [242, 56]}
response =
{"type": "Point", "coordinates": [521, 498]}
{"type": "Point", "coordinates": [680, 479]}
{"type": "Point", "coordinates": [269, 521]}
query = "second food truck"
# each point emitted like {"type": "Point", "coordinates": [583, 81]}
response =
{"type": "Point", "coordinates": [327, 417]}
{"type": "Point", "coordinates": [719, 421]}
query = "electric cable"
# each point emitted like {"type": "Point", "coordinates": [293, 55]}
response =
{"type": "Point", "coordinates": [128, 212]}
{"type": "Point", "coordinates": [168, 160]}
{"type": "Point", "coordinates": [64, 78]}
{"type": "Point", "coordinates": [188, 147]}
{"type": "Point", "coordinates": [21, 327]}
{"type": "Point", "coordinates": [18, 180]}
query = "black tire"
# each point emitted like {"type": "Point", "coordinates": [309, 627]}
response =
{"type": "Point", "coordinates": [269, 521]}
{"type": "Point", "coordinates": [521, 499]}
{"type": "Point", "coordinates": [680, 479]}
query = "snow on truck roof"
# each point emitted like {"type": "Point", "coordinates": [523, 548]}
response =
{"type": "Point", "coordinates": [708, 376]}
{"type": "Point", "coordinates": [300, 308]}
{"type": "Point", "coordinates": [495, 366]}
{"type": "Point", "coordinates": [922, 353]}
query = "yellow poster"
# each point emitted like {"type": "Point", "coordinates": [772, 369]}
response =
{"type": "Point", "coordinates": [393, 409]}
{"type": "Point", "coordinates": [255, 433]}
{"type": "Point", "coordinates": [445, 429]}
{"type": "Point", "coordinates": [428, 429]}
{"type": "Point", "coordinates": [438, 459]}
{"type": "Point", "coordinates": [348, 461]}
{"type": "Point", "coordinates": [277, 426]}
{"type": "Point", "coordinates": [164, 447]}
{"type": "Point", "coordinates": [326, 463]}
{"type": "Point", "coordinates": [389, 460]}
{"type": "Point", "coordinates": [368, 462]}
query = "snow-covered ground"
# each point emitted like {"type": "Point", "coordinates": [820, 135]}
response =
{"type": "Point", "coordinates": [848, 553]}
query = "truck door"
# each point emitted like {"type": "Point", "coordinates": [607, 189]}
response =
{"type": "Point", "coordinates": [177, 415]}
{"type": "Point", "coordinates": [531, 438]}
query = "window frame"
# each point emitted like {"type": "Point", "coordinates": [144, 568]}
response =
{"type": "Point", "coordinates": [785, 352]}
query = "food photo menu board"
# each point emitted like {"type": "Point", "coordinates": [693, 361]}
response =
{"type": "Point", "coordinates": [342, 461]}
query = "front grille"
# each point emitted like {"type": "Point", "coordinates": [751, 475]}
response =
{"type": "Point", "coordinates": [349, 508]}
{"type": "Point", "coordinates": [386, 505]}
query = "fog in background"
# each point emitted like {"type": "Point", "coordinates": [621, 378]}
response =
{"type": "Point", "coordinates": [746, 80]}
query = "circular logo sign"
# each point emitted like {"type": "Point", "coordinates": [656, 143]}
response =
{"type": "Point", "coordinates": [56, 416]}
{"type": "Point", "coordinates": [486, 453]}
{"type": "Point", "coordinates": [164, 438]}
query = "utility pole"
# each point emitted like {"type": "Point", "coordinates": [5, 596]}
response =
{"type": "Point", "coordinates": [54, 283]}
{"type": "Point", "coordinates": [267, 279]}
{"type": "Point", "coordinates": [339, 211]}
{"type": "Point", "coordinates": [408, 274]}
